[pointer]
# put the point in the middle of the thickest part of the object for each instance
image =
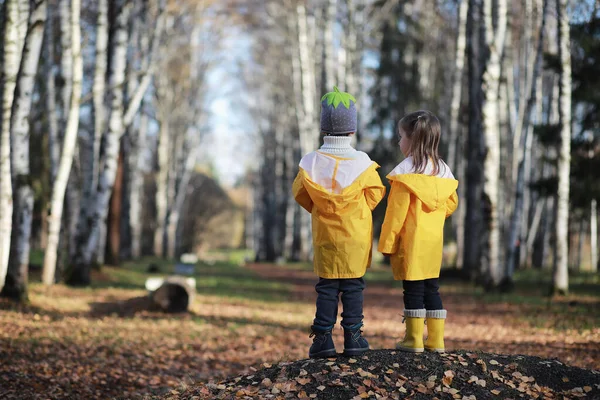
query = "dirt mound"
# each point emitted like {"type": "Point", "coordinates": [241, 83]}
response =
{"type": "Point", "coordinates": [389, 374]}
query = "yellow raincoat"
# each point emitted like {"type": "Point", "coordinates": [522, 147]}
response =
{"type": "Point", "coordinates": [342, 224]}
{"type": "Point", "coordinates": [413, 229]}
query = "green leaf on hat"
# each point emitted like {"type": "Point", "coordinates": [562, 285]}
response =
{"type": "Point", "coordinates": [336, 97]}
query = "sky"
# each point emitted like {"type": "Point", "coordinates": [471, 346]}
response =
{"type": "Point", "coordinates": [229, 146]}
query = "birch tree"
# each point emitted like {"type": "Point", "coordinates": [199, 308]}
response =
{"type": "Point", "coordinates": [68, 147]}
{"type": "Point", "coordinates": [494, 40]}
{"type": "Point", "coordinates": [456, 140]}
{"type": "Point", "coordinates": [50, 74]}
{"type": "Point", "coordinates": [308, 135]}
{"type": "Point", "coordinates": [10, 69]}
{"type": "Point", "coordinates": [162, 152]}
{"type": "Point", "coordinates": [136, 186]}
{"type": "Point", "coordinates": [89, 235]}
{"type": "Point", "coordinates": [329, 60]}
{"type": "Point", "coordinates": [18, 265]}
{"type": "Point", "coordinates": [561, 273]}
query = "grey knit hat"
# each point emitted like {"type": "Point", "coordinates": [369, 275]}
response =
{"type": "Point", "coordinates": [338, 120]}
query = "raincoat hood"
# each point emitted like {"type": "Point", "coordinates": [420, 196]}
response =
{"type": "Point", "coordinates": [337, 203]}
{"type": "Point", "coordinates": [433, 191]}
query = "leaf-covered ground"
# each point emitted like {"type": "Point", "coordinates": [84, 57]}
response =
{"type": "Point", "coordinates": [388, 374]}
{"type": "Point", "coordinates": [102, 342]}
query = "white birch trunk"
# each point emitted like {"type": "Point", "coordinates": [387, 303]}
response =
{"type": "Point", "coordinates": [594, 236]}
{"type": "Point", "coordinates": [308, 138]}
{"type": "Point", "coordinates": [22, 24]}
{"type": "Point", "coordinates": [456, 139]}
{"type": "Point", "coordinates": [329, 62]}
{"type": "Point", "coordinates": [10, 69]}
{"type": "Point", "coordinates": [459, 65]}
{"type": "Point", "coordinates": [18, 263]}
{"type": "Point", "coordinates": [53, 138]}
{"type": "Point", "coordinates": [68, 149]}
{"type": "Point", "coordinates": [96, 240]}
{"type": "Point", "coordinates": [342, 59]}
{"type": "Point", "coordinates": [162, 153]}
{"type": "Point", "coordinates": [98, 94]}
{"type": "Point", "coordinates": [491, 123]}
{"type": "Point", "coordinates": [66, 62]}
{"type": "Point", "coordinates": [308, 83]}
{"type": "Point", "coordinates": [351, 43]}
{"type": "Point", "coordinates": [561, 271]}
{"type": "Point", "coordinates": [182, 191]}
{"type": "Point", "coordinates": [136, 187]}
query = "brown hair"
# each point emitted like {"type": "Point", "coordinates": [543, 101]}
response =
{"type": "Point", "coordinates": [424, 130]}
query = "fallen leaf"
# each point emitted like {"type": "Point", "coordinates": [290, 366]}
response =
{"type": "Point", "coordinates": [303, 381]}
{"type": "Point", "coordinates": [303, 395]}
{"type": "Point", "coordinates": [495, 392]}
{"type": "Point", "coordinates": [266, 382]}
{"type": "Point", "coordinates": [448, 377]}
{"type": "Point", "coordinates": [422, 389]}
{"type": "Point", "coordinates": [565, 379]}
{"type": "Point", "coordinates": [494, 362]}
{"type": "Point", "coordinates": [396, 365]}
{"type": "Point", "coordinates": [587, 389]}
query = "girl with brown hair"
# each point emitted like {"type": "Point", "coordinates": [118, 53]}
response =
{"type": "Point", "coordinates": [422, 196]}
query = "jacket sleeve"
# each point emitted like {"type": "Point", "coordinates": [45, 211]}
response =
{"type": "Point", "coordinates": [451, 204]}
{"type": "Point", "coordinates": [395, 215]}
{"type": "Point", "coordinates": [301, 195]}
{"type": "Point", "coordinates": [374, 190]}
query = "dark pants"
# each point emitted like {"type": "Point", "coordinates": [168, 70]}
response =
{"type": "Point", "coordinates": [328, 291]}
{"type": "Point", "coordinates": [422, 294]}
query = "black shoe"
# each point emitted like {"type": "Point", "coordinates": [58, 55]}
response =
{"type": "Point", "coordinates": [322, 346]}
{"type": "Point", "coordinates": [354, 343]}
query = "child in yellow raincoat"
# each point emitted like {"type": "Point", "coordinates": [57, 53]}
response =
{"type": "Point", "coordinates": [422, 196]}
{"type": "Point", "coordinates": [340, 187]}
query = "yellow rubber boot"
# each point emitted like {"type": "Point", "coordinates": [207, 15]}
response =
{"type": "Point", "coordinates": [415, 325]}
{"type": "Point", "coordinates": [435, 330]}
